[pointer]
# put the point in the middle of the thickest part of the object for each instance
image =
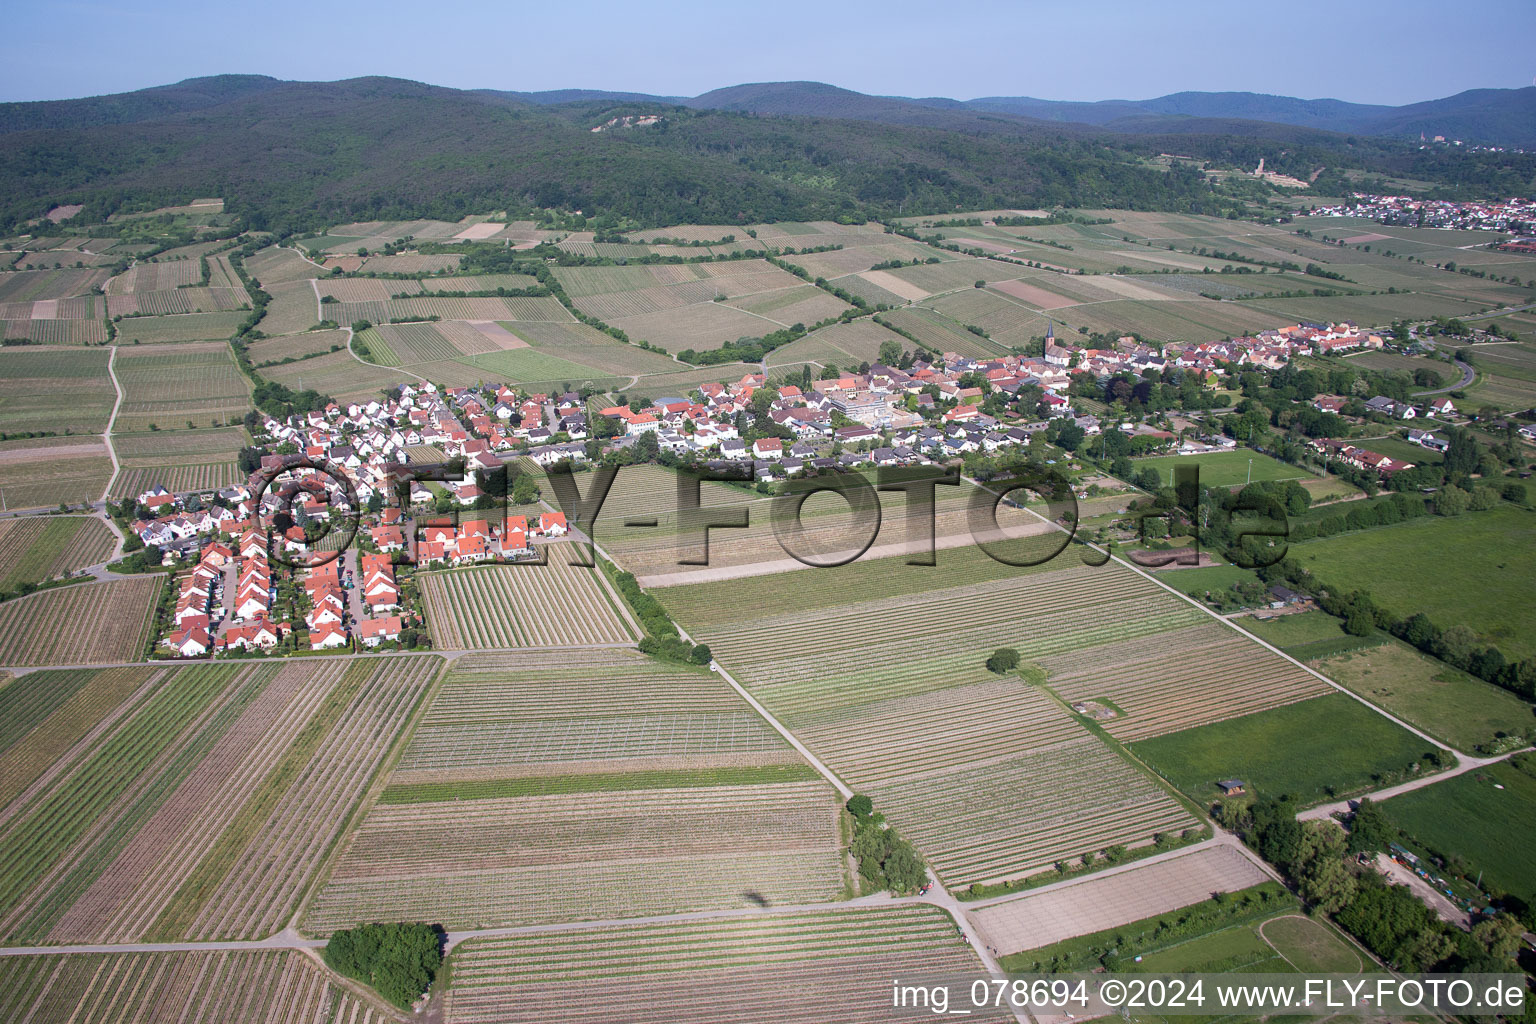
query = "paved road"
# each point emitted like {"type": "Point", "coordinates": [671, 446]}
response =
{"type": "Point", "coordinates": [1468, 374]}
{"type": "Point", "coordinates": [1345, 806]}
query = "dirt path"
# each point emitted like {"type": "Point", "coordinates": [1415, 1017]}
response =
{"type": "Point", "coordinates": [1345, 806]}
{"type": "Point", "coordinates": [106, 435]}
{"type": "Point", "coordinates": [1447, 911]}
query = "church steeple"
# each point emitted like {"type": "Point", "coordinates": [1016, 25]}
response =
{"type": "Point", "coordinates": [1050, 331]}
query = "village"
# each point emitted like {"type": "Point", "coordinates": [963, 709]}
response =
{"type": "Point", "coordinates": [1515, 214]}
{"type": "Point", "coordinates": [357, 596]}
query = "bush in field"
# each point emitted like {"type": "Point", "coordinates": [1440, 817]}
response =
{"type": "Point", "coordinates": [886, 860]}
{"type": "Point", "coordinates": [860, 806]}
{"type": "Point", "coordinates": [1003, 661]}
{"type": "Point", "coordinates": [398, 960]}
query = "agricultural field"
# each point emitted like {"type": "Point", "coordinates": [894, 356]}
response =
{"type": "Point", "coordinates": [159, 330]}
{"type": "Point", "coordinates": [53, 389]}
{"type": "Point", "coordinates": [939, 333]}
{"type": "Point", "coordinates": [1226, 469]}
{"type": "Point", "coordinates": [524, 606]}
{"type": "Point", "coordinates": [710, 969]}
{"type": "Point", "coordinates": [246, 877]}
{"type": "Point", "coordinates": [1099, 904]}
{"type": "Point", "coordinates": [843, 344]}
{"type": "Point", "coordinates": [36, 549]}
{"type": "Point", "coordinates": [260, 987]}
{"type": "Point", "coordinates": [172, 386]}
{"type": "Point", "coordinates": [800, 304]}
{"type": "Point", "coordinates": [590, 348]}
{"type": "Point", "coordinates": [1485, 818]}
{"type": "Point", "coordinates": [905, 711]}
{"type": "Point", "coordinates": [598, 781]}
{"type": "Point", "coordinates": [1472, 570]}
{"type": "Point", "coordinates": [340, 374]}
{"type": "Point", "coordinates": [82, 624]}
{"type": "Point", "coordinates": [1454, 707]}
{"type": "Point", "coordinates": [1317, 750]}
{"type": "Point", "coordinates": [50, 285]}
{"type": "Point", "coordinates": [545, 308]}
{"type": "Point", "coordinates": [270, 351]}
{"type": "Point", "coordinates": [55, 332]}
{"type": "Point", "coordinates": [181, 460]}
{"type": "Point", "coordinates": [1204, 673]}
{"type": "Point", "coordinates": [189, 299]}
{"type": "Point", "coordinates": [276, 265]}
{"type": "Point", "coordinates": [44, 471]}
{"type": "Point", "coordinates": [293, 309]}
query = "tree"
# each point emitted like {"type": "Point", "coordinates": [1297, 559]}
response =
{"type": "Point", "coordinates": [701, 654]}
{"type": "Point", "coordinates": [398, 960]}
{"type": "Point", "coordinates": [1499, 935]}
{"type": "Point", "coordinates": [860, 806]}
{"type": "Point", "coordinates": [1325, 880]}
{"type": "Point", "coordinates": [1452, 501]}
{"type": "Point", "coordinates": [1003, 661]}
{"type": "Point", "coordinates": [524, 490]}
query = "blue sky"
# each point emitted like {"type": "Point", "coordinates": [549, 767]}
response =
{"type": "Point", "coordinates": [1369, 51]}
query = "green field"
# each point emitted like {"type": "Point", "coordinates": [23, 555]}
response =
{"type": "Point", "coordinates": [1317, 750]}
{"type": "Point", "coordinates": [1493, 829]}
{"type": "Point", "coordinates": [1446, 703]}
{"type": "Point", "coordinates": [58, 390]}
{"type": "Point", "coordinates": [1195, 581]}
{"type": "Point", "coordinates": [1226, 469]}
{"type": "Point", "coordinates": [1295, 630]}
{"type": "Point", "coordinates": [1473, 570]}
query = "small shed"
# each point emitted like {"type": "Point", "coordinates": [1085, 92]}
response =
{"type": "Point", "coordinates": [1231, 787]}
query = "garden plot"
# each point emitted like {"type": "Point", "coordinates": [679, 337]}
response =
{"type": "Point", "coordinates": [1206, 673]}
{"type": "Point", "coordinates": [174, 385]}
{"type": "Point", "coordinates": [523, 606]}
{"type": "Point", "coordinates": [260, 987]}
{"type": "Point", "coordinates": [84, 624]}
{"type": "Point", "coordinates": [1099, 904]}
{"type": "Point", "coordinates": [764, 968]}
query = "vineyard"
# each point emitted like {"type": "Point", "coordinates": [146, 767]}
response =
{"type": "Point", "coordinates": [524, 606]}
{"type": "Point", "coordinates": [34, 550]}
{"type": "Point", "coordinates": [522, 860]}
{"type": "Point", "coordinates": [891, 693]}
{"type": "Point", "coordinates": [832, 967]}
{"type": "Point", "coordinates": [545, 308]}
{"type": "Point", "coordinates": [42, 285]}
{"type": "Point", "coordinates": [65, 836]}
{"type": "Point", "coordinates": [801, 304]}
{"type": "Point", "coordinates": [279, 987]}
{"type": "Point", "coordinates": [136, 885]}
{"type": "Point", "coordinates": [251, 881]}
{"type": "Point", "coordinates": [570, 712]}
{"type": "Point", "coordinates": [88, 623]}
{"type": "Point", "coordinates": [41, 472]}
{"type": "Point", "coordinates": [1009, 818]}
{"type": "Point", "coordinates": [182, 460]}
{"type": "Point", "coordinates": [54, 389]}
{"type": "Point", "coordinates": [585, 784]}
{"type": "Point", "coordinates": [187, 327]}
{"type": "Point", "coordinates": [48, 712]}
{"type": "Point", "coordinates": [55, 332]}
{"type": "Point", "coordinates": [590, 347]}
{"type": "Point", "coordinates": [1105, 902]}
{"type": "Point", "coordinates": [1206, 673]}
{"type": "Point", "coordinates": [158, 276]}
{"type": "Point", "coordinates": [171, 386]}
{"type": "Point", "coordinates": [178, 300]}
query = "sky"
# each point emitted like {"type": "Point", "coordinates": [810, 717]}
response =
{"type": "Point", "coordinates": [1365, 51]}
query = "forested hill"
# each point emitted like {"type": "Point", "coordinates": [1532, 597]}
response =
{"type": "Point", "coordinates": [299, 155]}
